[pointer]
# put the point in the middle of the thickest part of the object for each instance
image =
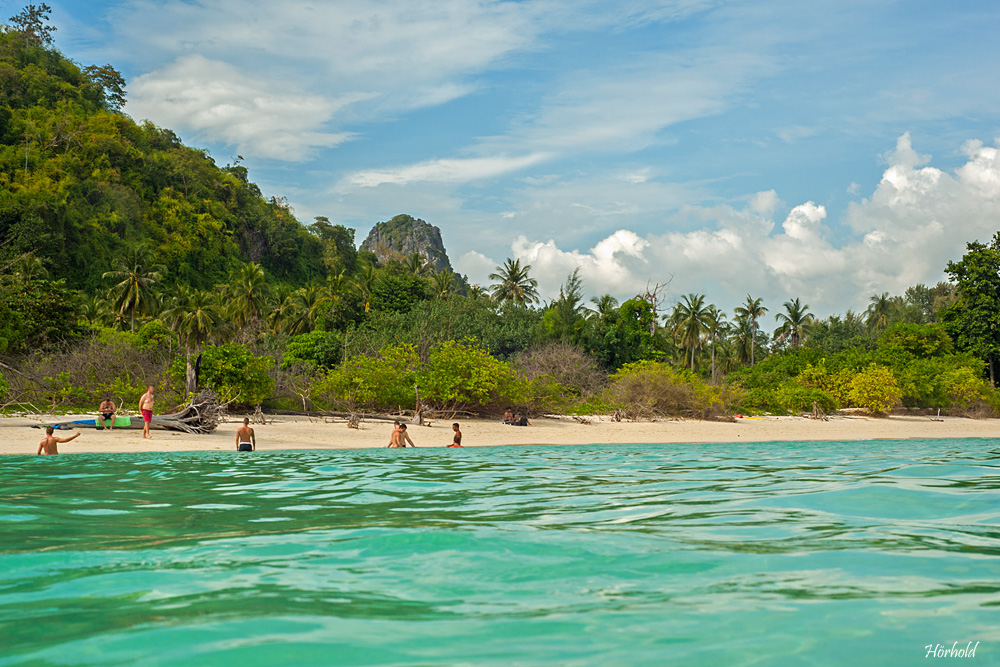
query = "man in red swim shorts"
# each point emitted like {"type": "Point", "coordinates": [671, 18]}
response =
{"type": "Point", "coordinates": [146, 407]}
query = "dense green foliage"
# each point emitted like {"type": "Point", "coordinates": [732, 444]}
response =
{"type": "Point", "coordinates": [233, 372]}
{"type": "Point", "coordinates": [974, 319]}
{"type": "Point", "coordinates": [34, 313]}
{"type": "Point", "coordinates": [912, 364]}
{"type": "Point", "coordinates": [79, 181]}
{"type": "Point", "coordinates": [315, 350]}
{"type": "Point", "coordinates": [456, 376]}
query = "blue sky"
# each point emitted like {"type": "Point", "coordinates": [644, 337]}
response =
{"type": "Point", "coordinates": [825, 150]}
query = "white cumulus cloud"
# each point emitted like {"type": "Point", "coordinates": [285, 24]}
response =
{"type": "Point", "coordinates": [216, 100]}
{"type": "Point", "coordinates": [916, 220]}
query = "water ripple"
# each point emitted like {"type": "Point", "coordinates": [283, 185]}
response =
{"type": "Point", "coordinates": [728, 554]}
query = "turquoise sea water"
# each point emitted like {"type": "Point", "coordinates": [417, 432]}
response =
{"type": "Point", "coordinates": [744, 554]}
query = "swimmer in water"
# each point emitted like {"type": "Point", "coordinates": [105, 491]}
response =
{"type": "Point", "coordinates": [48, 445]}
{"type": "Point", "coordinates": [457, 440]}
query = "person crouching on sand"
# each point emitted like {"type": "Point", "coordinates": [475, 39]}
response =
{"type": "Point", "coordinates": [48, 445]}
{"type": "Point", "coordinates": [246, 441]}
{"type": "Point", "coordinates": [457, 440]}
{"type": "Point", "coordinates": [399, 437]}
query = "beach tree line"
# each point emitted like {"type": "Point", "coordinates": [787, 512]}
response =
{"type": "Point", "coordinates": [390, 334]}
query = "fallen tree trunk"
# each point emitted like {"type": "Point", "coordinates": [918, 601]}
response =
{"type": "Point", "coordinates": [202, 415]}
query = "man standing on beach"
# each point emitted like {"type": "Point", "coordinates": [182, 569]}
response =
{"type": "Point", "coordinates": [457, 441]}
{"type": "Point", "coordinates": [146, 407]}
{"type": "Point", "coordinates": [399, 437]}
{"type": "Point", "coordinates": [49, 443]}
{"type": "Point", "coordinates": [107, 413]}
{"type": "Point", "coordinates": [246, 441]}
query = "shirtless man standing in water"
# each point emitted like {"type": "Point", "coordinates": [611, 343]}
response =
{"type": "Point", "coordinates": [49, 442]}
{"type": "Point", "coordinates": [146, 407]}
{"type": "Point", "coordinates": [246, 441]}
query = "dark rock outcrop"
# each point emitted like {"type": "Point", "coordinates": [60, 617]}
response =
{"type": "Point", "coordinates": [404, 235]}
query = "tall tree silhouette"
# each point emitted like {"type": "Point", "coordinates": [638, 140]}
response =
{"type": "Point", "coordinates": [512, 283]}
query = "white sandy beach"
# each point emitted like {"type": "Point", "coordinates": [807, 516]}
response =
{"type": "Point", "coordinates": [18, 437]}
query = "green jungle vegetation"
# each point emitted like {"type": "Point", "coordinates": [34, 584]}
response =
{"type": "Point", "coordinates": [127, 259]}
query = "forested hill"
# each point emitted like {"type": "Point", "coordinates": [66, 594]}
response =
{"type": "Point", "coordinates": [81, 181]}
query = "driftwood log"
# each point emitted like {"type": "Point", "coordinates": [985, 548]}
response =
{"type": "Point", "coordinates": [202, 415]}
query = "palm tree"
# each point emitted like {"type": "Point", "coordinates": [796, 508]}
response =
{"type": "Point", "coordinates": [739, 349]}
{"type": "Point", "coordinates": [274, 316]}
{"type": "Point", "coordinates": [514, 284]}
{"type": "Point", "coordinates": [689, 320]}
{"type": "Point", "coordinates": [136, 274]}
{"type": "Point", "coordinates": [477, 292]}
{"type": "Point", "coordinates": [195, 316]}
{"type": "Point", "coordinates": [794, 321]}
{"type": "Point", "coordinates": [604, 305]}
{"type": "Point", "coordinates": [302, 308]}
{"type": "Point", "coordinates": [879, 311]}
{"type": "Point", "coordinates": [562, 318]}
{"type": "Point", "coordinates": [93, 310]}
{"type": "Point", "coordinates": [248, 294]}
{"type": "Point", "coordinates": [28, 268]}
{"type": "Point", "coordinates": [749, 312]}
{"type": "Point", "coordinates": [443, 283]}
{"type": "Point", "coordinates": [333, 288]}
{"type": "Point", "coordinates": [715, 322]}
{"type": "Point", "coordinates": [417, 264]}
{"type": "Point", "coordinates": [364, 281]}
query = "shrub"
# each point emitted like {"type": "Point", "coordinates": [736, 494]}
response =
{"type": "Point", "coordinates": [383, 381]}
{"type": "Point", "coordinates": [875, 389]}
{"type": "Point", "coordinates": [835, 384]}
{"type": "Point", "coordinates": [464, 376]}
{"type": "Point", "coordinates": [62, 391]}
{"type": "Point", "coordinates": [789, 397]}
{"type": "Point", "coordinates": [316, 349]}
{"type": "Point", "coordinates": [232, 372]}
{"type": "Point", "coordinates": [921, 383]}
{"type": "Point", "coordinates": [648, 389]}
{"type": "Point", "coordinates": [968, 394]}
{"type": "Point", "coordinates": [154, 334]}
{"type": "Point", "coordinates": [561, 372]}
{"type": "Point", "coordinates": [108, 363]}
{"type": "Point", "coordinates": [918, 340]}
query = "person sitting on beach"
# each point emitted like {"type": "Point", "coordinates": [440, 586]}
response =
{"type": "Point", "coordinates": [400, 437]}
{"type": "Point", "coordinates": [508, 416]}
{"type": "Point", "coordinates": [49, 442]}
{"type": "Point", "coordinates": [520, 420]}
{"type": "Point", "coordinates": [146, 407]}
{"type": "Point", "coordinates": [246, 441]}
{"type": "Point", "coordinates": [106, 413]}
{"type": "Point", "coordinates": [457, 441]}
